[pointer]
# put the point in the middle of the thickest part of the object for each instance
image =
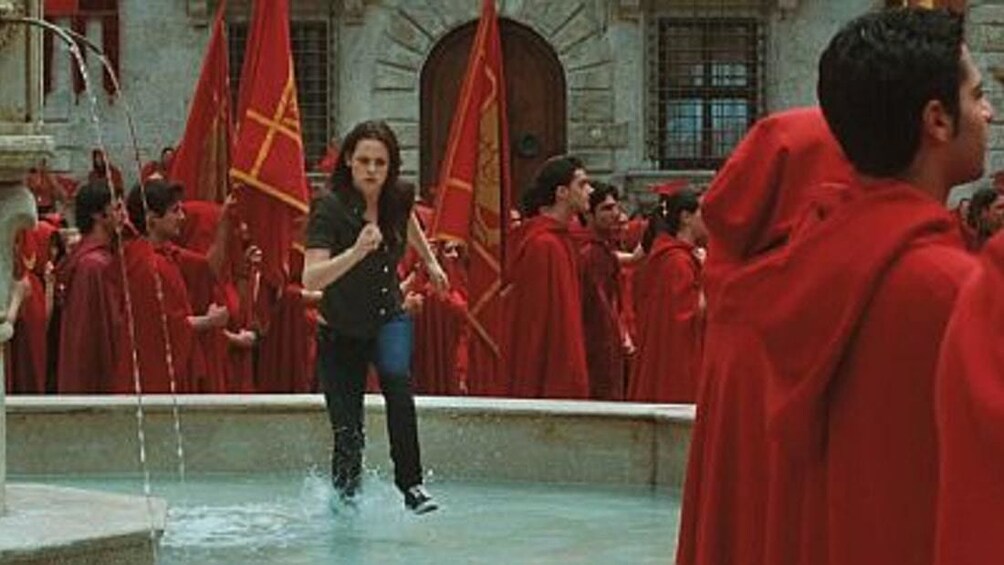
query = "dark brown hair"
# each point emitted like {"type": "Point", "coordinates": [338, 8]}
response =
{"type": "Point", "coordinates": [396, 201]}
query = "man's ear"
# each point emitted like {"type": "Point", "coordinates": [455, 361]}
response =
{"type": "Point", "coordinates": [937, 122]}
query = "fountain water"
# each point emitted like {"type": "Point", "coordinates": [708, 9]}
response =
{"type": "Point", "coordinates": [43, 524]}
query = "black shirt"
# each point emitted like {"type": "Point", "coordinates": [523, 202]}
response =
{"type": "Point", "coordinates": [367, 295]}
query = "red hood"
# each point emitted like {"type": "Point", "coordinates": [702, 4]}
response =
{"type": "Point", "coordinates": [811, 296]}
{"type": "Point", "coordinates": [526, 232]}
{"type": "Point", "coordinates": [199, 228]}
{"type": "Point", "coordinates": [755, 200]}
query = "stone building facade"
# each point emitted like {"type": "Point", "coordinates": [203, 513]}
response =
{"type": "Point", "coordinates": [609, 56]}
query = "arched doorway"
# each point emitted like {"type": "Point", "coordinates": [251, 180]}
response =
{"type": "Point", "coordinates": [535, 94]}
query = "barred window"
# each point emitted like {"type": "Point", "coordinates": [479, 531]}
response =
{"type": "Point", "coordinates": [310, 63]}
{"type": "Point", "coordinates": [708, 88]}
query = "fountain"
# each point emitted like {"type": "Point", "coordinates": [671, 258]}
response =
{"type": "Point", "coordinates": [42, 524]}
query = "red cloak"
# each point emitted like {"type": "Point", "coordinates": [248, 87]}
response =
{"type": "Point", "coordinates": [150, 273]}
{"type": "Point", "coordinates": [668, 289]}
{"type": "Point", "coordinates": [440, 333]}
{"type": "Point", "coordinates": [544, 349]}
{"type": "Point", "coordinates": [198, 233]}
{"type": "Point", "coordinates": [203, 290]}
{"type": "Point", "coordinates": [970, 410]}
{"type": "Point", "coordinates": [287, 350]}
{"type": "Point", "coordinates": [92, 324]}
{"type": "Point", "coordinates": [602, 323]}
{"type": "Point", "coordinates": [240, 367]}
{"type": "Point", "coordinates": [849, 317]}
{"type": "Point", "coordinates": [29, 348]}
{"type": "Point", "coordinates": [750, 210]}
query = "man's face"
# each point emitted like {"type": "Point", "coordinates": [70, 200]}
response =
{"type": "Point", "coordinates": [969, 145]}
{"type": "Point", "coordinates": [168, 225]}
{"type": "Point", "coordinates": [578, 192]}
{"type": "Point", "coordinates": [606, 217]}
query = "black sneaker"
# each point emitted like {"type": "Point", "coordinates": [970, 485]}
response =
{"type": "Point", "coordinates": [419, 501]}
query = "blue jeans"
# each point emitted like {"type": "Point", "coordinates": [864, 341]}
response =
{"type": "Point", "coordinates": [342, 364]}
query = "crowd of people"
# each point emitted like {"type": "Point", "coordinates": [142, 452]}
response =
{"type": "Point", "coordinates": [836, 324]}
{"type": "Point", "coordinates": [107, 268]}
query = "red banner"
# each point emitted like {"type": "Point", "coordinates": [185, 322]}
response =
{"type": "Point", "coordinates": [202, 159]}
{"type": "Point", "coordinates": [60, 8]}
{"type": "Point", "coordinates": [473, 192]}
{"type": "Point", "coordinates": [267, 164]}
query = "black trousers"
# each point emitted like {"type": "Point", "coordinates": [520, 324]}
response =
{"type": "Point", "coordinates": [342, 365]}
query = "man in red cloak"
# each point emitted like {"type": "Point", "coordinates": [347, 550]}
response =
{"type": "Point", "coordinates": [160, 168]}
{"type": "Point", "coordinates": [204, 235]}
{"type": "Point", "coordinates": [92, 322]}
{"type": "Point", "coordinates": [102, 170]}
{"type": "Point", "coordinates": [849, 314]}
{"type": "Point", "coordinates": [602, 322]}
{"type": "Point", "coordinates": [543, 343]}
{"type": "Point", "coordinates": [155, 269]}
{"type": "Point", "coordinates": [668, 287]}
{"type": "Point", "coordinates": [29, 348]}
{"type": "Point", "coordinates": [970, 414]}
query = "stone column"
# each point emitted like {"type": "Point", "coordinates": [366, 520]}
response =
{"type": "Point", "coordinates": [22, 146]}
{"type": "Point", "coordinates": [17, 211]}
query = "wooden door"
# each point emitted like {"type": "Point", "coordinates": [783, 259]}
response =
{"type": "Point", "coordinates": [535, 94]}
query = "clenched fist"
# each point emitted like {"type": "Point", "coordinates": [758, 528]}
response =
{"type": "Point", "coordinates": [369, 240]}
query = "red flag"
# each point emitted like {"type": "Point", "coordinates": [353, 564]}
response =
{"type": "Point", "coordinates": [474, 190]}
{"type": "Point", "coordinates": [202, 159]}
{"type": "Point", "coordinates": [268, 155]}
{"type": "Point", "coordinates": [60, 8]}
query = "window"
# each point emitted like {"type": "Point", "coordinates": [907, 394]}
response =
{"type": "Point", "coordinates": [706, 88]}
{"type": "Point", "coordinates": [310, 63]}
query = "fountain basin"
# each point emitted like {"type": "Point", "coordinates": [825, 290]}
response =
{"type": "Point", "coordinates": [462, 438]}
{"type": "Point", "coordinates": [534, 481]}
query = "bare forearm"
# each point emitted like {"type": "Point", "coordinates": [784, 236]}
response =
{"type": "Point", "coordinates": [216, 255]}
{"type": "Point", "coordinates": [319, 273]}
{"type": "Point", "coordinates": [417, 240]}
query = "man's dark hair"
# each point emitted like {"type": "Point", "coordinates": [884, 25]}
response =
{"type": "Point", "coordinates": [601, 190]}
{"type": "Point", "coordinates": [877, 75]}
{"type": "Point", "coordinates": [556, 171]}
{"type": "Point", "coordinates": [665, 218]}
{"type": "Point", "coordinates": [160, 197]}
{"type": "Point", "coordinates": [91, 198]}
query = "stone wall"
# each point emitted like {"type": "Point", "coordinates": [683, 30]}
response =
{"type": "Point", "coordinates": [986, 39]}
{"type": "Point", "coordinates": [383, 54]}
{"type": "Point", "coordinates": [378, 49]}
{"type": "Point", "coordinates": [161, 56]}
